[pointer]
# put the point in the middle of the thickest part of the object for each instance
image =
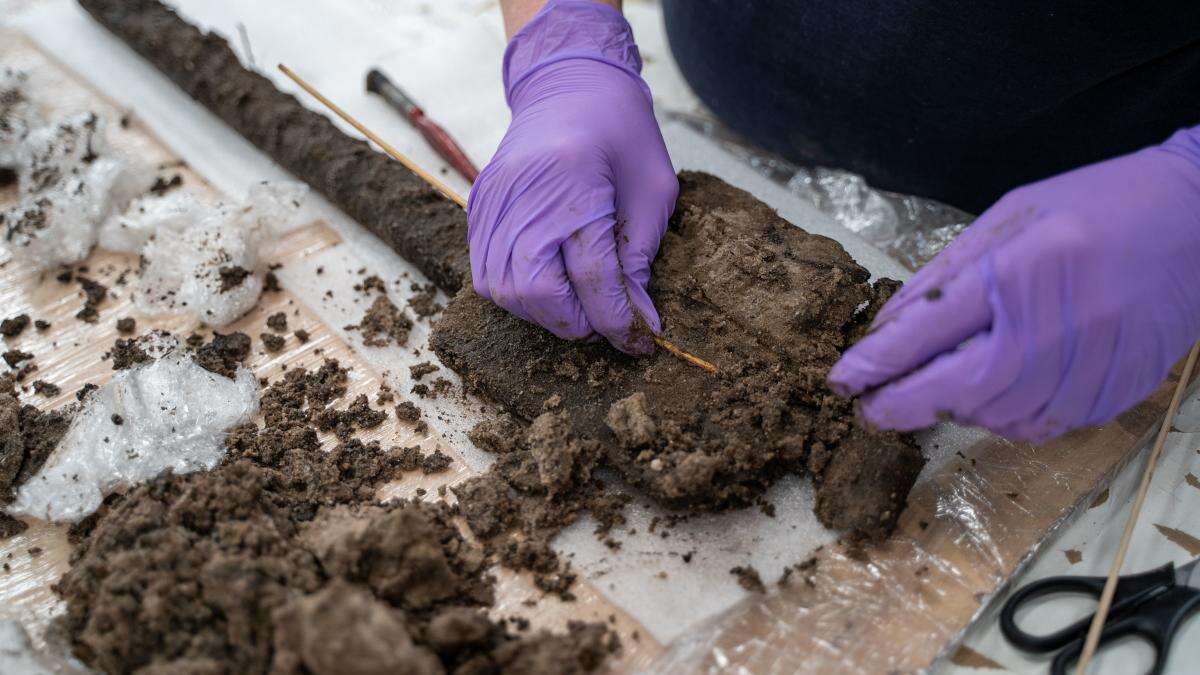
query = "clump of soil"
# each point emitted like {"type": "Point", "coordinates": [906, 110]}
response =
{"type": "Point", "coordinates": [94, 294]}
{"type": "Point", "coordinates": [14, 326]}
{"type": "Point", "coordinates": [127, 353]}
{"type": "Point", "coordinates": [357, 416]}
{"type": "Point", "coordinates": [278, 322]}
{"type": "Point", "coordinates": [15, 357]}
{"type": "Point", "coordinates": [272, 343]}
{"type": "Point", "coordinates": [773, 307]}
{"type": "Point", "coordinates": [412, 459]}
{"type": "Point", "coordinates": [371, 283]}
{"type": "Point", "coordinates": [541, 482]}
{"type": "Point", "coordinates": [281, 561]}
{"type": "Point", "coordinates": [224, 353]}
{"type": "Point", "coordinates": [383, 324]}
{"type": "Point", "coordinates": [27, 437]}
{"type": "Point", "coordinates": [46, 389]}
{"type": "Point", "coordinates": [420, 370]}
{"type": "Point", "coordinates": [423, 302]}
{"type": "Point", "coordinates": [126, 325]}
{"type": "Point", "coordinates": [232, 276]}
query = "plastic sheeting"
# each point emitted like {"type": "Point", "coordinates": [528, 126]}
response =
{"type": "Point", "coordinates": [981, 509]}
{"type": "Point", "coordinates": [908, 228]}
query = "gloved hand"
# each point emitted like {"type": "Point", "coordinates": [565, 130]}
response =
{"type": "Point", "coordinates": [566, 219]}
{"type": "Point", "coordinates": [1062, 306]}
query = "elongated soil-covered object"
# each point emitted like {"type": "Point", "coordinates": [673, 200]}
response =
{"type": "Point", "coordinates": [424, 227]}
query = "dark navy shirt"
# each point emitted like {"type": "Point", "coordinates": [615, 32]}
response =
{"type": "Point", "coordinates": [951, 99]}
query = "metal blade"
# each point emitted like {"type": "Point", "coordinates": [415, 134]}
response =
{"type": "Point", "coordinates": [1188, 574]}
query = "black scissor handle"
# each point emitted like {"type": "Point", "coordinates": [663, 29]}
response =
{"type": "Point", "coordinates": [1155, 621]}
{"type": "Point", "coordinates": [1131, 591]}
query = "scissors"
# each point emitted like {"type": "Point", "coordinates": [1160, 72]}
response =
{"type": "Point", "coordinates": [1151, 605]}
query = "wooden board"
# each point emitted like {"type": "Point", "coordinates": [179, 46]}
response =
{"type": "Point", "coordinates": [71, 353]}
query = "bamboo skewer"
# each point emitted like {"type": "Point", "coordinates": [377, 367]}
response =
{"type": "Point", "coordinates": [451, 195]}
{"type": "Point", "coordinates": [1110, 584]}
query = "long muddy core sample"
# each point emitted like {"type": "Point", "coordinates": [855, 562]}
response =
{"type": "Point", "coordinates": [773, 307]}
{"type": "Point", "coordinates": [386, 198]}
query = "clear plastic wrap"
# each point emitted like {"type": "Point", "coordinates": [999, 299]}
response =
{"type": "Point", "coordinates": [974, 520]}
{"type": "Point", "coordinates": [167, 414]}
{"type": "Point", "coordinates": [907, 228]}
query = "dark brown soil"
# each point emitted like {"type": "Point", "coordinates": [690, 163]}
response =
{"type": "Point", "coordinates": [423, 302]}
{"type": "Point", "coordinates": [773, 307]}
{"type": "Point", "coordinates": [224, 353]}
{"type": "Point", "coordinates": [542, 481]}
{"type": "Point", "coordinates": [232, 276]}
{"type": "Point", "coordinates": [47, 389]}
{"type": "Point", "coordinates": [272, 343]}
{"type": "Point", "coordinates": [420, 370]}
{"type": "Point", "coordinates": [27, 437]}
{"type": "Point", "coordinates": [15, 357]}
{"type": "Point", "coordinates": [383, 324]}
{"type": "Point", "coordinates": [280, 561]}
{"type": "Point", "coordinates": [127, 325]}
{"type": "Point", "coordinates": [94, 294]}
{"type": "Point", "coordinates": [389, 200]}
{"type": "Point", "coordinates": [127, 353]}
{"type": "Point", "coordinates": [14, 326]}
{"type": "Point", "coordinates": [278, 322]}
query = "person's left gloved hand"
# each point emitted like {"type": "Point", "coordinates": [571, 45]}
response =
{"type": "Point", "coordinates": [1062, 306]}
{"type": "Point", "coordinates": [566, 219]}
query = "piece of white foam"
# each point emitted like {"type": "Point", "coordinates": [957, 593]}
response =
{"type": "Point", "coordinates": [173, 416]}
{"type": "Point", "coordinates": [69, 182]}
{"type": "Point", "coordinates": [188, 245]}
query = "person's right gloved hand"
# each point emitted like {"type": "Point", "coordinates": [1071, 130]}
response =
{"type": "Point", "coordinates": [566, 219]}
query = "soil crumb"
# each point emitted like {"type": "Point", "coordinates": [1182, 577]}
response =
{"type": "Point", "coordinates": [420, 370]}
{"type": "Point", "coordinates": [278, 322]}
{"type": "Point", "coordinates": [272, 343]}
{"type": "Point", "coordinates": [94, 294]}
{"type": "Point", "coordinates": [423, 302]}
{"type": "Point", "coordinates": [232, 276]}
{"type": "Point", "coordinates": [281, 561]}
{"type": "Point", "coordinates": [14, 326]}
{"type": "Point", "coordinates": [774, 307]}
{"type": "Point", "coordinates": [126, 325]}
{"type": "Point", "coordinates": [383, 324]}
{"type": "Point", "coordinates": [749, 579]}
{"type": "Point", "coordinates": [224, 353]}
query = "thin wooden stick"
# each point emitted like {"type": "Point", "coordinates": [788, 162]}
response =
{"type": "Point", "coordinates": [395, 154]}
{"type": "Point", "coordinates": [1110, 585]}
{"type": "Point", "coordinates": [690, 358]}
{"type": "Point", "coordinates": [450, 194]}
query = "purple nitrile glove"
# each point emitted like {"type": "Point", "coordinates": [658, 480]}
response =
{"type": "Point", "coordinates": [566, 219]}
{"type": "Point", "coordinates": [1062, 306]}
